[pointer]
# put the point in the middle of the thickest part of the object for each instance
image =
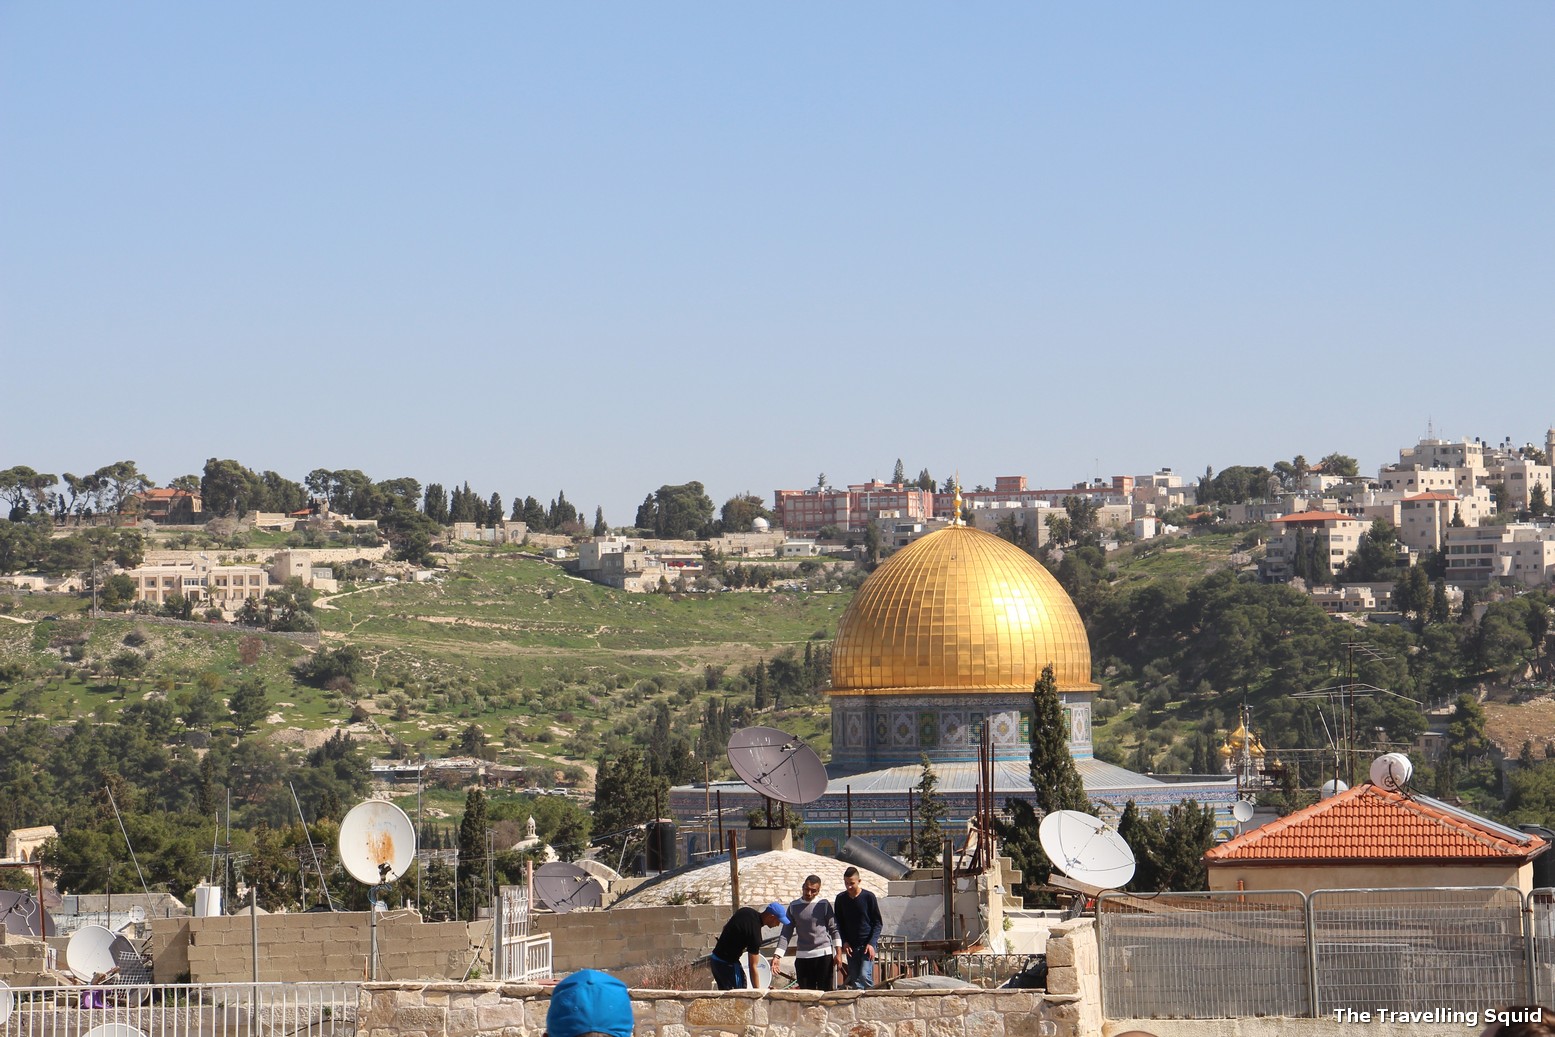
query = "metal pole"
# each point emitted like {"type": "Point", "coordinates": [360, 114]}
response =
{"type": "Point", "coordinates": [1306, 910]}
{"type": "Point", "coordinates": [849, 792]}
{"type": "Point", "coordinates": [372, 912]}
{"type": "Point", "coordinates": [253, 929]}
{"type": "Point", "coordinates": [912, 832]}
{"type": "Point", "coordinates": [707, 807]}
{"type": "Point", "coordinates": [950, 891]}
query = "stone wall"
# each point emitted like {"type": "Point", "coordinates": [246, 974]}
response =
{"type": "Point", "coordinates": [624, 937]}
{"type": "Point", "coordinates": [1074, 968]}
{"type": "Point", "coordinates": [464, 1010]}
{"type": "Point", "coordinates": [316, 947]}
{"type": "Point", "coordinates": [22, 960]}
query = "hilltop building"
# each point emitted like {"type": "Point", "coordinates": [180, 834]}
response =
{"type": "Point", "coordinates": [945, 639]}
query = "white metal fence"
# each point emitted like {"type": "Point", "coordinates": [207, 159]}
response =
{"type": "Point", "coordinates": [521, 956]}
{"type": "Point", "coordinates": [184, 1010]}
{"type": "Point", "coordinates": [1287, 953]}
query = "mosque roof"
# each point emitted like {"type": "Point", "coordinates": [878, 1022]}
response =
{"type": "Point", "coordinates": [1372, 824]}
{"type": "Point", "coordinates": [959, 610]}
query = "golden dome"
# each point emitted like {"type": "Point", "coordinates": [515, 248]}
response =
{"type": "Point", "coordinates": [959, 610]}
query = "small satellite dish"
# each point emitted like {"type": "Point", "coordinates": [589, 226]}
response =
{"type": "Point", "coordinates": [1242, 810]}
{"type": "Point", "coordinates": [763, 972]}
{"type": "Point", "coordinates": [1084, 848]}
{"type": "Point", "coordinates": [777, 765]}
{"type": "Point", "coordinates": [7, 1002]}
{"type": "Point", "coordinates": [1391, 771]}
{"type": "Point", "coordinates": [89, 953]}
{"type": "Point", "coordinates": [114, 1030]}
{"type": "Point", "coordinates": [1331, 787]}
{"type": "Point", "coordinates": [562, 887]}
{"type": "Point", "coordinates": [377, 842]}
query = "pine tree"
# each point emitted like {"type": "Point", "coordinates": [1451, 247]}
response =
{"type": "Point", "coordinates": [1055, 785]}
{"type": "Point", "coordinates": [472, 855]}
{"type": "Point", "coordinates": [899, 474]}
{"type": "Point", "coordinates": [931, 814]}
{"type": "Point", "coordinates": [600, 529]}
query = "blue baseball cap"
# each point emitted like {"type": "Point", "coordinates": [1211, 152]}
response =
{"type": "Point", "coordinates": [779, 910]}
{"type": "Point", "coordinates": [589, 1001]}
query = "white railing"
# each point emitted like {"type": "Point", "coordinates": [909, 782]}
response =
{"type": "Point", "coordinates": [521, 956]}
{"type": "Point", "coordinates": [184, 1010]}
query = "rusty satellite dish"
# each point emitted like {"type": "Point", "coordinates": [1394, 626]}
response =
{"type": "Point", "coordinates": [377, 842]}
{"type": "Point", "coordinates": [777, 765]}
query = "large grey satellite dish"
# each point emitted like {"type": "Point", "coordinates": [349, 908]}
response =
{"type": "Point", "coordinates": [563, 887]}
{"type": "Point", "coordinates": [777, 765]}
{"type": "Point", "coordinates": [377, 842]}
{"type": "Point", "coordinates": [22, 915]}
{"type": "Point", "coordinates": [1242, 810]}
{"type": "Point", "coordinates": [1084, 848]}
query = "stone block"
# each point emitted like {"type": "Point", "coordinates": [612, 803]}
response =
{"type": "Point", "coordinates": [1064, 979]}
{"type": "Point", "coordinates": [725, 1012]}
{"type": "Point", "coordinates": [984, 1024]}
{"type": "Point", "coordinates": [912, 1028]}
{"type": "Point", "coordinates": [1060, 952]}
{"type": "Point", "coordinates": [886, 1008]}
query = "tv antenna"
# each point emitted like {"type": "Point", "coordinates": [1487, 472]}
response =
{"type": "Point", "coordinates": [1341, 700]}
{"type": "Point", "coordinates": [377, 844]}
{"type": "Point", "coordinates": [777, 765]}
{"type": "Point", "coordinates": [564, 887]}
{"type": "Point", "coordinates": [1085, 849]}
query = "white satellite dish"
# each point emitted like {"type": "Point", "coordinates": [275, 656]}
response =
{"type": "Point", "coordinates": [1242, 810]}
{"type": "Point", "coordinates": [377, 842]}
{"type": "Point", "coordinates": [89, 953]}
{"type": "Point", "coordinates": [1331, 787]}
{"type": "Point", "coordinates": [1391, 771]}
{"type": "Point", "coordinates": [763, 972]}
{"type": "Point", "coordinates": [7, 1002]}
{"type": "Point", "coordinates": [114, 1030]}
{"type": "Point", "coordinates": [1084, 848]}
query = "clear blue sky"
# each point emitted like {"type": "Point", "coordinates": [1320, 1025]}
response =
{"type": "Point", "coordinates": [603, 247]}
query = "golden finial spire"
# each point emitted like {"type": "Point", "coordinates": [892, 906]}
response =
{"type": "Point", "coordinates": [955, 518]}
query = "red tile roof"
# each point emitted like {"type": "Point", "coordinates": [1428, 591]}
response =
{"type": "Point", "coordinates": [1370, 824]}
{"type": "Point", "coordinates": [1313, 516]}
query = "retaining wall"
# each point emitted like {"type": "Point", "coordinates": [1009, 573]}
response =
{"type": "Point", "coordinates": [465, 1010]}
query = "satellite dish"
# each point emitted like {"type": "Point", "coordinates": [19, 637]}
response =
{"type": "Point", "coordinates": [1391, 771]}
{"type": "Point", "coordinates": [89, 953]}
{"type": "Point", "coordinates": [377, 842]}
{"type": "Point", "coordinates": [114, 1030]}
{"type": "Point", "coordinates": [1242, 810]}
{"type": "Point", "coordinates": [21, 914]}
{"type": "Point", "coordinates": [562, 887]}
{"type": "Point", "coordinates": [1331, 787]}
{"type": "Point", "coordinates": [777, 765]}
{"type": "Point", "coordinates": [1084, 848]}
{"type": "Point", "coordinates": [7, 1002]}
{"type": "Point", "coordinates": [763, 972]}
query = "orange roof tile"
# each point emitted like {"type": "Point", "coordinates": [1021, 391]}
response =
{"type": "Point", "coordinates": [1313, 516]}
{"type": "Point", "coordinates": [1368, 823]}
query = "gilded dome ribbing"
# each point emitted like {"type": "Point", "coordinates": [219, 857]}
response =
{"type": "Point", "coordinates": [959, 610]}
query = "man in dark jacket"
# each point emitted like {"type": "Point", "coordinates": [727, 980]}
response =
{"type": "Point", "coordinates": [858, 920]}
{"type": "Point", "coordinates": [742, 936]}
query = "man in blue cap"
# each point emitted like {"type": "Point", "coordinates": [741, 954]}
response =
{"type": "Point", "coordinates": [742, 935]}
{"type": "Point", "coordinates": [589, 1003]}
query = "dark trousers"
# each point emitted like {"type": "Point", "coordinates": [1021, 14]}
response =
{"type": "Point", "coordinates": [816, 973]}
{"type": "Point", "coordinates": [727, 975]}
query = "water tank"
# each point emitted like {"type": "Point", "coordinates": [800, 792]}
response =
{"type": "Point", "coordinates": [207, 901]}
{"type": "Point", "coordinates": [867, 856]}
{"type": "Point", "coordinates": [662, 848]}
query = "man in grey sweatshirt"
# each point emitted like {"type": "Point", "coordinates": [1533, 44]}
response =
{"type": "Point", "coordinates": [812, 930]}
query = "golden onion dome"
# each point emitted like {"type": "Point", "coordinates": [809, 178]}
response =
{"type": "Point", "coordinates": [959, 610]}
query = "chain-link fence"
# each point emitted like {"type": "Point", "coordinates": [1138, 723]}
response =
{"type": "Point", "coordinates": [1457, 949]}
{"type": "Point", "coordinates": [1204, 955]}
{"type": "Point", "coordinates": [1286, 953]}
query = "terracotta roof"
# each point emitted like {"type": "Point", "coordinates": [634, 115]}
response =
{"type": "Point", "coordinates": [1312, 516]}
{"type": "Point", "coordinates": [1369, 824]}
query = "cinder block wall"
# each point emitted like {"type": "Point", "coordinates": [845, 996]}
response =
{"type": "Point", "coordinates": [467, 1010]}
{"type": "Point", "coordinates": [318, 947]}
{"type": "Point", "coordinates": [626, 937]}
{"type": "Point", "coordinates": [22, 960]}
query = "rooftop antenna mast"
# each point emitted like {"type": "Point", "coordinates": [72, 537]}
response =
{"type": "Point", "coordinates": [143, 887]}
